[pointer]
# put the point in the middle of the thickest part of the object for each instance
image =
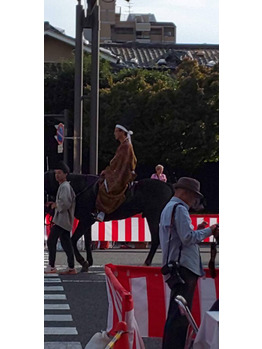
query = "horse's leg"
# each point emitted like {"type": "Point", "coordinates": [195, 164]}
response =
{"type": "Point", "coordinates": [76, 236]}
{"type": "Point", "coordinates": [87, 235]}
{"type": "Point", "coordinates": [153, 224]}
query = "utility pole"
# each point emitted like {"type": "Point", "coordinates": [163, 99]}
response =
{"type": "Point", "coordinates": [78, 102]}
{"type": "Point", "coordinates": [66, 124]}
{"type": "Point", "coordinates": [90, 20]}
{"type": "Point", "coordinates": [94, 112]}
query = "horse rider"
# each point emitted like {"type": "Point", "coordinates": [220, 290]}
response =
{"type": "Point", "coordinates": [116, 176]}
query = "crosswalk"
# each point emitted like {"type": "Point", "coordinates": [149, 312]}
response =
{"type": "Point", "coordinates": [57, 317]}
{"type": "Point", "coordinates": [58, 266]}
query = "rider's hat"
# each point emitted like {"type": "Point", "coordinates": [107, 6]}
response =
{"type": "Point", "coordinates": [125, 129]}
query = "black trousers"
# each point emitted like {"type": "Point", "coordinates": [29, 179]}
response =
{"type": "Point", "coordinates": [176, 324]}
{"type": "Point", "coordinates": [64, 235]}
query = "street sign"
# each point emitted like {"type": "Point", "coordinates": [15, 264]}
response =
{"type": "Point", "coordinates": [60, 133]}
{"type": "Point", "coordinates": [60, 148]}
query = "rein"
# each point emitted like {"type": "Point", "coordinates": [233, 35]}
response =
{"type": "Point", "coordinates": [84, 190]}
{"type": "Point", "coordinates": [213, 253]}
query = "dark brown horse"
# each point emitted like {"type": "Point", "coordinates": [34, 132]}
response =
{"type": "Point", "coordinates": [147, 196]}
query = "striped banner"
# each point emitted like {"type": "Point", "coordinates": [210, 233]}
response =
{"type": "Point", "coordinates": [150, 297]}
{"type": "Point", "coordinates": [134, 228]}
{"type": "Point", "coordinates": [121, 308]}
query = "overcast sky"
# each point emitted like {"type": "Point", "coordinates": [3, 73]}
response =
{"type": "Point", "coordinates": [196, 20]}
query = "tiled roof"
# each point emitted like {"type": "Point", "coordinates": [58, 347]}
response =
{"type": "Point", "coordinates": [149, 56]}
{"type": "Point", "coordinates": [169, 55]}
{"type": "Point", "coordinates": [48, 26]}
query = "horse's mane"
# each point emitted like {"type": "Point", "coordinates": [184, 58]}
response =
{"type": "Point", "coordinates": [86, 179]}
{"type": "Point", "coordinates": [78, 181]}
{"type": "Point", "coordinates": [81, 182]}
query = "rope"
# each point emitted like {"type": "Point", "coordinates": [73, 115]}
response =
{"type": "Point", "coordinates": [114, 339]}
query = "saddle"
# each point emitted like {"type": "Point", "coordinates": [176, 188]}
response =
{"type": "Point", "coordinates": [128, 193]}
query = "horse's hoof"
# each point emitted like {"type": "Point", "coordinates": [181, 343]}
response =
{"type": "Point", "coordinates": [146, 265]}
{"type": "Point", "coordinates": [84, 268]}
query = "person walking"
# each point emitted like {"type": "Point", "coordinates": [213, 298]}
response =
{"type": "Point", "coordinates": [180, 253]}
{"type": "Point", "coordinates": [63, 221]}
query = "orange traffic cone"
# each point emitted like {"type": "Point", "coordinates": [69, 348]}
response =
{"type": "Point", "coordinates": [122, 343]}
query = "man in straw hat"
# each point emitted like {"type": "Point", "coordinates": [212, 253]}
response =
{"type": "Point", "coordinates": [180, 253]}
{"type": "Point", "coordinates": [116, 176]}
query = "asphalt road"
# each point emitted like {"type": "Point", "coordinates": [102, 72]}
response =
{"type": "Point", "coordinates": [85, 295]}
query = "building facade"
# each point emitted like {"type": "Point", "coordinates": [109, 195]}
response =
{"type": "Point", "coordinates": [140, 28]}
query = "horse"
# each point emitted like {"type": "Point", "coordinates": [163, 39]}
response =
{"type": "Point", "coordinates": [146, 196]}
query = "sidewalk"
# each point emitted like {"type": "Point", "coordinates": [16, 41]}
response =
{"type": "Point", "coordinates": [128, 257]}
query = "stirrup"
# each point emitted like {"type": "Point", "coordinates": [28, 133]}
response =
{"type": "Point", "coordinates": [100, 216]}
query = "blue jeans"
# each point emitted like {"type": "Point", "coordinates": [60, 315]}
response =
{"type": "Point", "coordinates": [176, 324]}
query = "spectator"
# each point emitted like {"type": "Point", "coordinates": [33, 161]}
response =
{"type": "Point", "coordinates": [179, 243]}
{"type": "Point", "coordinates": [159, 174]}
{"type": "Point", "coordinates": [63, 221]}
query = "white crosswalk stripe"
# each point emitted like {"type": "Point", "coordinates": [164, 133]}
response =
{"type": "Point", "coordinates": [55, 296]}
{"type": "Point", "coordinates": [53, 317]}
{"type": "Point", "coordinates": [60, 330]}
{"type": "Point", "coordinates": [56, 307]}
{"type": "Point", "coordinates": [54, 288]}
{"type": "Point", "coordinates": [63, 345]}
{"type": "Point", "coordinates": [51, 280]}
{"type": "Point", "coordinates": [58, 318]}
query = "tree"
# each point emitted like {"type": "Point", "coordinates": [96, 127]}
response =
{"type": "Point", "coordinates": [174, 116]}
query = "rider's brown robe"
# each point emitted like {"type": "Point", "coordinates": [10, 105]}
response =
{"type": "Point", "coordinates": [118, 174]}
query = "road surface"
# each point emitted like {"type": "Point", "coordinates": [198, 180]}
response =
{"type": "Point", "coordinates": [76, 305]}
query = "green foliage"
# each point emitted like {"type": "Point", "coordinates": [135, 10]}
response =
{"type": "Point", "coordinates": [174, 117]}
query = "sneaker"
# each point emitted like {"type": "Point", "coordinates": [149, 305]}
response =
{"type": "Point", "coordinates": [50, 270]}
{"type": "Point", "coordinates": [68, 271]}
{"type": "Point", "coordinates": [100, 216]}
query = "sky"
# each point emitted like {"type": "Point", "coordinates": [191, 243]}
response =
{"type": "Point", "coordinates": [197, 21]}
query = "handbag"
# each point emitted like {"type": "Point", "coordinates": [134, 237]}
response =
{"type": "Point", "coordinates": [173, 267]}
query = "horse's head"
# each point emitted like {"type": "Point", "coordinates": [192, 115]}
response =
{"type": "Point", "coordinates": [199, 205]}
{"type": "Point", "coordinates": [50, 190]}
{"type": "Point", "coordinates": [50, 184]}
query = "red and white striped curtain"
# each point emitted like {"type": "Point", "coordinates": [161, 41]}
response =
{"type": "Point", "coordinates": [134, 228]}
{"type": "Point", "coordinates": [148, 298]}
